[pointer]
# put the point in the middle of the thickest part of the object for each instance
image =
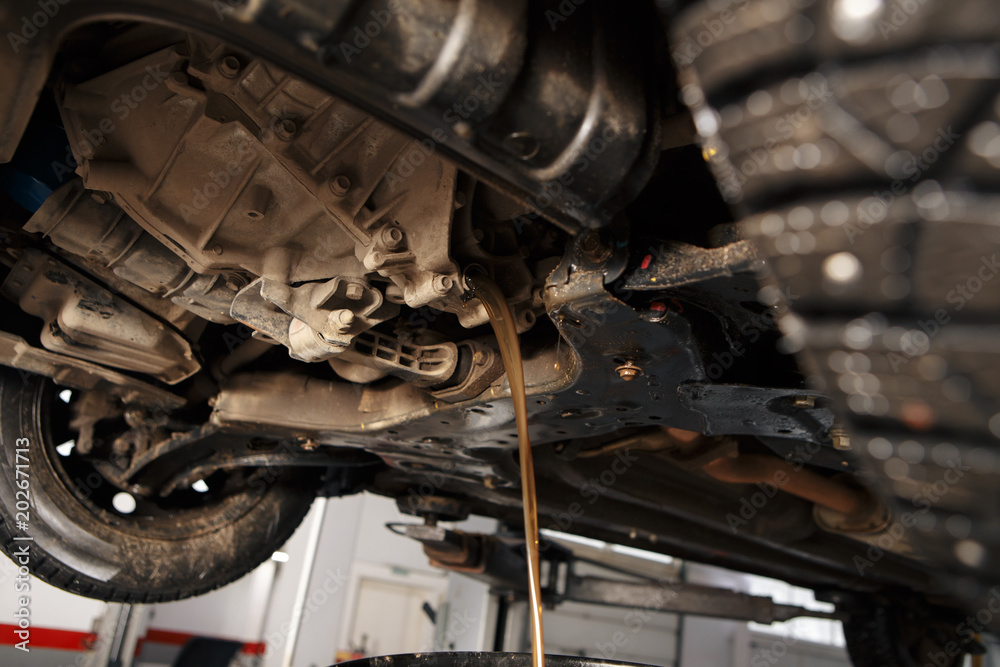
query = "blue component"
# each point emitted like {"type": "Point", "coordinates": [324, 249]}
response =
{"type": "Point", "coordinates": [25, 190]}
{"type": "Point", "coordinates": [42, 163]}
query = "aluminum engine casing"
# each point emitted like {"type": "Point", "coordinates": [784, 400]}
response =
{"type": "Point", "coordinates": [237, 166]}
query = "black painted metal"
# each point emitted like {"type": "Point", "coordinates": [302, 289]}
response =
{"type": "Point", "coordinates": [477, 659]}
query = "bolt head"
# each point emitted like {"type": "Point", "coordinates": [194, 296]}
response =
{"type": "Point", "coordinates": [354, 292]}
{"type": "Point", "coordinates": [340, 185]}
{"type": "Point", "coordinates": [391, 237]}
{"type": "Point", "coordinates": [229, 66]}
{"type": "Point", "coordinates": [628, 371]}
{"type": "Point", "coordinates": [285, 129]}
{"type": "Point", "coordinates": [840, 439]}
{"type": "Point", "coordinates": [442, 284]}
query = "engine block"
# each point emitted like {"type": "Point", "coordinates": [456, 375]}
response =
{"type": "Point", "coordinates": [240, 168]}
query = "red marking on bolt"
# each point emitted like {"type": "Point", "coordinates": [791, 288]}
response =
{"type": "Point", "coordinates": [646, 261]}
{"type": "Point", "coordinates": [657, 306]}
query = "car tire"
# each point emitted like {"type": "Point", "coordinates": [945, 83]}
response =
{"type": "Point", "coordinates": [55, 520]}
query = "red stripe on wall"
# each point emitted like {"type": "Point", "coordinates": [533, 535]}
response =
{"type": "Point", "coordinates": [66, 640]}
{"type": "Point", "coordinates": [180, 638]}
{"type": "Point", "coordinates": [73, 640]}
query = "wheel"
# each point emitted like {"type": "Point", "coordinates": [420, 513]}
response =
{"type": "Point", "coordinates": [175, 547]}
{"type": "Point", "coordinates": [882, 634]}
{"type": "Point", "coordinates": [859, 144]}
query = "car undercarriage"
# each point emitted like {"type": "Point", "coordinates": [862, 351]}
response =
{"type": "Point", "coordinates": [241, 233]}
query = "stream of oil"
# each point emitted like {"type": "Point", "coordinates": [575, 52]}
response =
{"type": "Point", "coordinates": [506, 332]}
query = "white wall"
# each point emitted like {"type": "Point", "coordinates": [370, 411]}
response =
{"type": "Point", "coordinates": [50, 607]}
{"type": "Point", "coordinates": [754, 649]}
{"type": "Point", "coordinates": [708, 641]}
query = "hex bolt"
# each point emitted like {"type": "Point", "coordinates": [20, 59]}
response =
{"type": "Point", "coordinates": [354, 291]}
{"type": "Point", "coordinates": [442, 284]}
{"type": "Point", "coordinates": [308, 444]}
{"type": "Point", "coordinates": [594, 248]}
{"type": "Point", "coordinates": [840, 438]}
{"type": "Point", "coordinates": [285, 129]}
{"type": "Point", "coordinates": [590, 242]}
{"type": "Point", "coordinates": [628, 371]}
{"type": "Point", "coordinates": [217, 249]}
{"type": "Point", "coordinates": [391, 237]}
{"type": "Point", "coordinates": [340, 184]}
{"type": "Point", "coordinates": [229, 66]}
{"type": "Point", "coordinates": [341, 320]}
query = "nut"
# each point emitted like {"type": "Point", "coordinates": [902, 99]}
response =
{"type": "Point", "coordinates": [804, 402]}
{"type": "Point", "coordinates": [628, 371]}
{"type": "Point", "coordinates": [341, 320]}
